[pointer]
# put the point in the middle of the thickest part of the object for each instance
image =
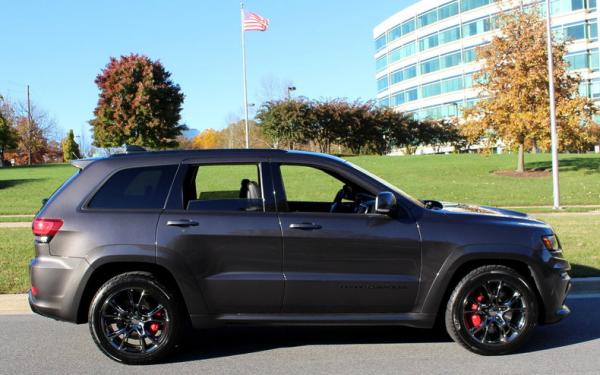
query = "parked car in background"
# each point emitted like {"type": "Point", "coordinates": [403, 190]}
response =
{"type": "Point", "coordinates": [146, 245]}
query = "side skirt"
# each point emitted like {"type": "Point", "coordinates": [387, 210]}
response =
{"type": "Point", "coordinates": [417, 320]}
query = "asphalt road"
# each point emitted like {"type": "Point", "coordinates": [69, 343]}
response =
{"type": "Point", "coordinates": [32, 344]}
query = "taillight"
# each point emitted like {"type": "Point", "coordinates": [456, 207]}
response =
{"type": "Point", "coordinates": [46, 227]}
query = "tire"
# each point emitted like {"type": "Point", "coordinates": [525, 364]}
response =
{"type": "Point", "coordinates": [135, 319]}
{"type": "Point", "coordinates": [496, 320]}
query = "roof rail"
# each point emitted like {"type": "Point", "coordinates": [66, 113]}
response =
{"type": "Point", "coordinates": [133, 148]}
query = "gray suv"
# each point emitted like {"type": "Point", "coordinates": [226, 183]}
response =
{"type": "Point", "coordinates": [145, 246]}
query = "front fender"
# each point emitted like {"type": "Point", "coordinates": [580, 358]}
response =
{"type": "Point", "coordinates": [437, 288]}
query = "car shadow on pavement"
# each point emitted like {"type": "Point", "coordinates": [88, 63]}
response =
{"type": "Point", "coordinates": [229, 341]}
{"type": "Point", "coordinates": [580, 327]}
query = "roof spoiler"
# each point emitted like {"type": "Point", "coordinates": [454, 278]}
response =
{"type": "Point", "coordinates": [82, 163]}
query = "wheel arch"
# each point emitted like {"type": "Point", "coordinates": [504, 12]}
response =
{"type": "Point", "coordinates": [438, 295]}
{"type": "Point", "coordinates": [106, 271]}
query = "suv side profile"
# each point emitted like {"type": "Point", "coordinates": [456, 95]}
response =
{"type": "Point", "coordinates": [146, 245]}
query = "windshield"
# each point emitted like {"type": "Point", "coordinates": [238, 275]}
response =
{"type": "Point", "coordinates": [390, 186]}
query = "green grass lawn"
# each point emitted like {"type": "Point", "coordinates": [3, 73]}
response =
{"type": "Point", "coordinates": [579, 235]}
{"type": "Point", "coordinates": [23, 188]}
{"type": "Point", "coordinates": [16, 250]}
{"type": "Point", "coordinates": [462, 178]}
{"type": "Point", "coordinates": [580, 238]}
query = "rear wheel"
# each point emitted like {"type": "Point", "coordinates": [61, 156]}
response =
{"type": "Point", "coordinates": [135, 319]}
{"type": "Point", "coordinates": [493, 310]}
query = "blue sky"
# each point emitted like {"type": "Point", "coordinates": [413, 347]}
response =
{"type": "Point", "coordinates": [58, 47]}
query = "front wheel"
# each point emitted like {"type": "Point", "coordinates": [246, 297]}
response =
{"type": "Point", "coordinates": [135, 319]}
{"type": "Point", "coordinates": [492, 311]}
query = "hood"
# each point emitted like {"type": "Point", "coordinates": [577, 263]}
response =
{"type": "Point", "coordinates": [474, 209]}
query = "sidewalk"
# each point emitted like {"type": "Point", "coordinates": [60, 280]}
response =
{"type": "Point", "coordinates": [16, 304]}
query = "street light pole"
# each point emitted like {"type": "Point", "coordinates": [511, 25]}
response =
{"type": "Point", "coordinates": [553, 132]}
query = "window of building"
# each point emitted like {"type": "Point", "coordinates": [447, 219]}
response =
{"type": "Point", "coordinates": [575, 32]}
{"type": "Point", "coordinates": [469, 55]}
{"type": "Point", "coordinates": [452, 84]}
{"type": "Point", "coordinates": [384, 102]}
{"type": "Point", "coordinates": [224, 187]}
{"type": "Point", "coordinates": [394, 33]}
{"type": "Point", "coordinates": [448, 10]}
{"type": "Point", "coordinates": [427, 42]}
{"type": "Point", "coordinates": [450, 59]}
{"type": "Point", "coordinates": [449, 35]}
{"type": "Point", "coordinates": [381, 63]}
{"type": "Point", "coordinates": [476, 27]}
{"type": "Point", "coordinates": [431, 89]}
{"type": "Point", "coordinates": [427, 18]}
{"type": "Point", "coordinates": [430, 65]}
{"type": "Point", "coordinates": [398, 99]}
{"type": "Point", "coordinates": [135, 188]}
{"type": "Point", "coordinates": [412, 95]}
{"type": "Point", "coordinates": [403, 74]}
{"type": "Point", "coordinates": [468, 81]}
{"type": "Point", "coordinates": [380, 42]}
{"type": "Point", "coordinates": [466, 5]}
{"type": "Point", "coordinates": [408, 27]}
{"type": "Point", "coordinates": [382, 83]}
{"type": "Point", "coordinates": [578, 61]}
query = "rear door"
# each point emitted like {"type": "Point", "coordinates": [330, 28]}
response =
{"type": "Point", "coordinates": [342, 262]}
{"type": "Point", "coordinates": [222, 226]}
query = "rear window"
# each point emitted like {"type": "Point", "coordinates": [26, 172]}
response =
{"type": "Point", "coordinates": [136, 188]}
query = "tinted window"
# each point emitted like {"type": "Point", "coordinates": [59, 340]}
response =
{"type": "Point", "coordinates": [224, 187]}
{"type": "Point", "coordinates": [136, 188]}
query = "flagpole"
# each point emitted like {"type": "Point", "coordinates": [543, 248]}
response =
{"type": "Point", "coordinates": [245, 78]}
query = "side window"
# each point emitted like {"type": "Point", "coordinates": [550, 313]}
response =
{"type": "Point", "coordinates": [308, 184]}
{"type": "Point", "coordinates": [135, 188]}
{"type": "Point", "coordinates": [224, 187]}
{"type": "Point", "coordinates": [309, 189]}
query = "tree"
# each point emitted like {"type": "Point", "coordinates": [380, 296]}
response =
{"type": "Point", "coordinates": [138, 104]}
{"type": "Point", "coordinates": [33, 141]}
{"type": "Point", "coordinates": [515, 82]}
{"type": "Point", "coordinates": [9, 138]}
{"type": "Point", "coordinates": [70, 148]}
{"type": "Point", "coordinates": [209, 138]}
{"type": "Point", "coordinates": [284, 121]}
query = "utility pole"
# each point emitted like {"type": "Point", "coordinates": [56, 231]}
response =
{"type": "Point", "coordinates": [553, 133]}
{"type": "Point", "coordinates": [29, 127]}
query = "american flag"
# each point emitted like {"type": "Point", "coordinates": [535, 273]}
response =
{"type": "Point", "coordinates": [254, 22]}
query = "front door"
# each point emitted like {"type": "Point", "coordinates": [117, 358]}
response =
{"type": "Point", "coordinates": [339, 256]}
{"type": "Point", "coordinates": [227, 237]}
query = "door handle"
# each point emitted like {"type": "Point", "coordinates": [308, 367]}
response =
{"type": "Point", "coordinates": [305, 226]}
{"type": "Point", "coordinates": [182, 223]}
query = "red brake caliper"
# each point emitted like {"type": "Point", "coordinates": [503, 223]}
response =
{"type": "Point", "coordinates": [155, 327]}
{"type": "Point", "coordinates": [476, 318]}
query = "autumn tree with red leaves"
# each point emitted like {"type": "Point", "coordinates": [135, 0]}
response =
{"type": "Point", "coordinates": [138, 105]}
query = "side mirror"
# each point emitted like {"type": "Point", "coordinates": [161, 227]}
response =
{"type": "Point", "coordinates": [385, 203]}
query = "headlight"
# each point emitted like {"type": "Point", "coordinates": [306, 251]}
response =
{"type": "Point", "coordinates": [551, 243]}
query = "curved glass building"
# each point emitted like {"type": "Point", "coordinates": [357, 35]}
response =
{"type": "Point", "coordinates": [425, 54]}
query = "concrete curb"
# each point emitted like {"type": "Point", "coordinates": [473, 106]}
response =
{"type": "Point", "coordinates": [14, 304]}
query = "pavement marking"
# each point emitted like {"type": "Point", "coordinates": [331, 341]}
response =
{"type": "Point", "coordinates": [16, 225]}
{"type": "Point", "coordinates": [14, 304]}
